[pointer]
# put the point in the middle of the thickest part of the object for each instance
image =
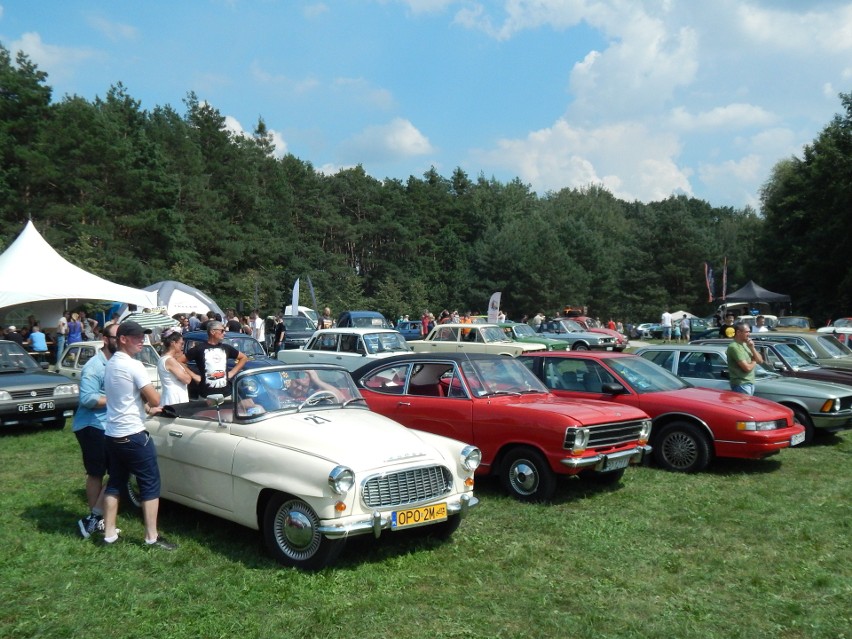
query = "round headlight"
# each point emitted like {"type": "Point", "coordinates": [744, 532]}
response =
{"type": "Point", "coordinates": [470, 457]}
{"type": "Point", "coordinates": [341, 479]}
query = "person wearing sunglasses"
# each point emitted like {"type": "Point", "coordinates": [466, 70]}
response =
{"type": "Point", "coordinates": [211, 360]}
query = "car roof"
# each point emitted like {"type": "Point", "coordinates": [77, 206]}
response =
{"type": "Point", "coordinates": [464, 325]}
{"type": "Point", "coordinates": [448, 356]}
{"type": "Point", "coordinates": [696, 348]}
{"type": "Point", "coordinates": [578, 354]}
{"type": "Point", "coordinates": [355, 330]}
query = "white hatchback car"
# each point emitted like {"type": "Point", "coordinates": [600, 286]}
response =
{"type": "Point", "coordinates": [77, 354]}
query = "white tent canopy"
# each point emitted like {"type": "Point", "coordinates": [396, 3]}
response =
{"type": "Point", "coordinates": [680, 314]}
{"type": "Point", "coordinates": [34, 274]}
{"type": "Point", "coordinates": [177, 297]}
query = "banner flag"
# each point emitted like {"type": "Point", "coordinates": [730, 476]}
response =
{"type": "Point", "coordinates": [494, 308]}
{"type": "Point", "coordinates": [294, 305]}
{"type": "Point", "coordinates": [313, 295]}
{"type": "Point", "coordinates": [708, 279]}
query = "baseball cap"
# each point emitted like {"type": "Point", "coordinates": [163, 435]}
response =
{"type": "Point", "coordinates": [131, 328]}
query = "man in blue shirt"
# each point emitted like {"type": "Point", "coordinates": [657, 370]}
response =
{"type": "Point", "coordinates": [88, 426]}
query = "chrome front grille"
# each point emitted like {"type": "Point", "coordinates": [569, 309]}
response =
{"type": "Point", "coordinates": [406, 487]}
{"type": "Point", "coordinates": [607, 435]}
{"type": "Point", "coordinates": [31, 393]}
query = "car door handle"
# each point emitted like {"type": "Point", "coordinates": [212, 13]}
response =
{"type": "Point", "coordinates": [403, 403]}
{"type": "Point", "coordinates": [175, 433]}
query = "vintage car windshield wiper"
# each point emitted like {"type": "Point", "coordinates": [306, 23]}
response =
{"type": "Point", "coordinates": [504, 392]}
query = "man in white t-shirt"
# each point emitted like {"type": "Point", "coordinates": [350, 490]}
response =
{"type": "Point", "coordinates": [129, 396]}
{"type": "Point", "coordinates": [258, 328]}
{"type": "Point", "coordinates": [666, 323]}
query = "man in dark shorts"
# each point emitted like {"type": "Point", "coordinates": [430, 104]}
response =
{"type": "Point", "coordinates": [129, 396]}
{"type": "Point", "coordinates": [211, 360]}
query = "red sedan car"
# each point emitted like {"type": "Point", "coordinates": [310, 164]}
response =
{"type": "Point", "coordinates": [527, 435]}
{"type": "Point", "coordinates": [691, 425]}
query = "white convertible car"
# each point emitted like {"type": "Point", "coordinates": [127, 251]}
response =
{"type": "Point", "coordinates": [296, 453]}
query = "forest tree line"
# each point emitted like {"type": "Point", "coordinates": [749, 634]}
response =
{"type": "Point", "coordinates": [139, 196]}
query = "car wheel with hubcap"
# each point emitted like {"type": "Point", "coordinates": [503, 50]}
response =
{"type": "Point", "coordinates": [527, 476]}
{"type": "Point", "coordinates": [291, 532]}
{"type": "Point", "coordinates": [682, 447]}
{"type": "Point", "coordinates": [580, 346]}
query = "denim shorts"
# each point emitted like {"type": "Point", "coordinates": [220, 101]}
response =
{"type": "Point", "coordinates": [134, 454]}
{"type": "Point", "coordinates": [746, 389]}
{"type": "Point", "coordinates": [93, 447]}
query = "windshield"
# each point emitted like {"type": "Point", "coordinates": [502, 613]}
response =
{"type": "Point", "coordinates": [846, 322]}
{"type": "Point", "coordinates": [793, 322]}
{"type": "Point", "coordinates": [490, 334]}
{"type": "Point", "coordinates": [247, 345]}
{"type": "Point", "coordinates": [385, 343]}
{"type": "Point", "coordinates": [834, 348]}
{"type": "Point", "coordinates": [795, 356]}
{"type": "Point", "coordinates": [266, 391]}
{"type": "Point", "coordinates": [644, 376]}
{"type": "Point", "coordinates": [522, 330]}
{"type": "Point", "coordinates": [13, 358]}
{"type": "Point", "coordinates": [572, 326]}
{"type": "Point", "coordinates": [503, 375]}
{"type": "Point", "coordinates": [299, 324]}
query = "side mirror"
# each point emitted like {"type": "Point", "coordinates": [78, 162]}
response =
{"type": "Point", "coordinates": [611, 388]}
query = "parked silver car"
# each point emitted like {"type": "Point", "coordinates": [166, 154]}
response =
{"type": "Point", "coordinates": [816, 405]}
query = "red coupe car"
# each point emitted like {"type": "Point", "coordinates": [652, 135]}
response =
{"type": "Point", "coordinates": [691, 425]}
{"type": "Point", "coordinates": [527, 435]}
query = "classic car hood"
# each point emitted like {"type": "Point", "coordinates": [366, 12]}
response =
{"type": "Point", "coordinates": [790, 386]}
{"type": "Point", "coordinates": [738, 405]}
{"type": "Point", "coordinates": [586, 411]}
{"type": "Point", "coordinates": [13, 378]}
{"type": "Point", "coordinates": [331, 434]}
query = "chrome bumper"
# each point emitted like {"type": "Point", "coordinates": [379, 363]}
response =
{"type": "Point", "coordinates": [598, 462]}
{"type": "Point", "coordinates": [377, 522]}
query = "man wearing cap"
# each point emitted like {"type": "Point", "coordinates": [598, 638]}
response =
{"type": "Point", "coordinates": [211, 360]}
{"type": "Point", "coordinates": [129, 396]}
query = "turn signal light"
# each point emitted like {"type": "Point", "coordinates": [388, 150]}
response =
{"type": "Point", "coordinates": [469, 482]}
{"type": "Point", "coordinates": [339, 506]}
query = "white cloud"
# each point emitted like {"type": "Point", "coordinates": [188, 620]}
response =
{"type": "Point", "coordinates": [114, 31]}
{"type": "Point", "coordinates": [627, 158]}
{"type": "Point", "coordinates": [806, 31]}
{"type": "Point", "coordinates": [394, 140]}
{"type": "Point", "coordinates": [60, 63]}
{"type": "Point", "coordinates": [313, 11]}
{"type": "Point", "coordinates": [233, 126]}
{"type": "Point", "coordinates": [732, 116]}
{"type": "Point", "coordinates": [358, 89]}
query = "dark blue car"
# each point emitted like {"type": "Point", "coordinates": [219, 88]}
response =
{"type": "Point", "coordinates": [410, 329]}
{"type": "Point", "coordinates": [362, 319]}
{"type": "Point", "coordinates": [246, 344]}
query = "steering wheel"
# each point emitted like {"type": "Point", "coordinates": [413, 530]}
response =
{"type": "Point", "coordinates": [324, 396]}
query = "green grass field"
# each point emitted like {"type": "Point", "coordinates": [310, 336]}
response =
{"type": "Point", "coordinates": [748, 549]}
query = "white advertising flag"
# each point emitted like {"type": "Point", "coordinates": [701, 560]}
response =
{"type": "Point", "coordinates": [494, 307]}
{"type": "Point", "coordinates": [294, 306]}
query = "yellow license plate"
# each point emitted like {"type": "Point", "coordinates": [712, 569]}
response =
{"type": "Point", "coordinates": [418, 516]}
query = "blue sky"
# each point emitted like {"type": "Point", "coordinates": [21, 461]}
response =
{"type": "Point", "coordinates": [646, 98]}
